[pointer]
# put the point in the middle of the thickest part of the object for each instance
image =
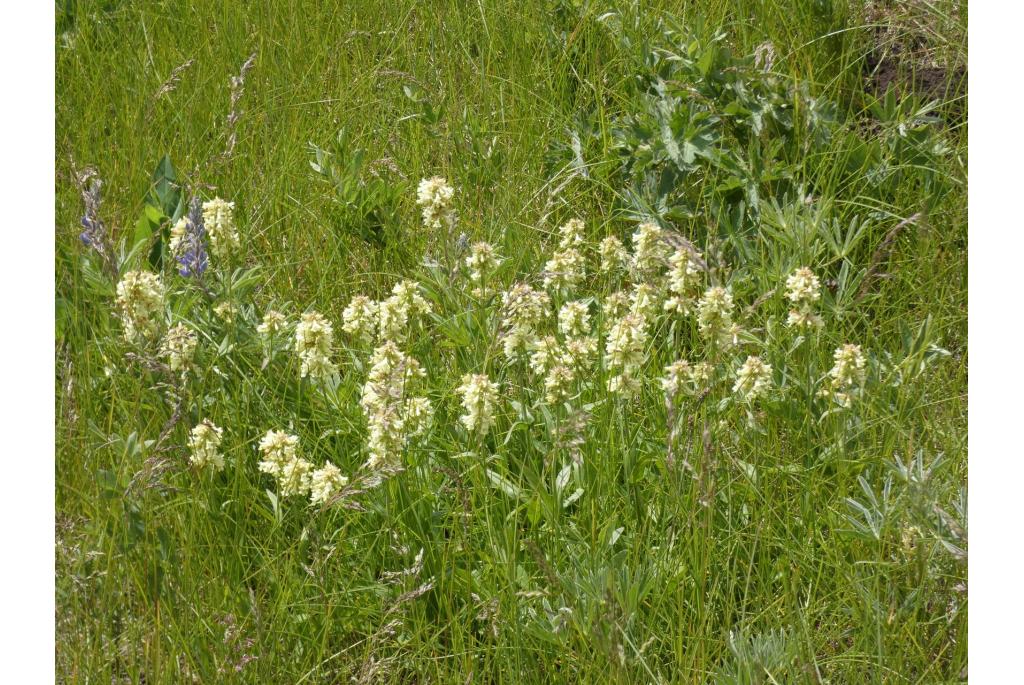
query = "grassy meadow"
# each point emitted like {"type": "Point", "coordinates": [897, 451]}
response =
{"type": "Point", "coordinates": [524, 493]}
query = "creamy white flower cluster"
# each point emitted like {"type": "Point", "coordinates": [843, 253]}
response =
{"type": "Point", "coordinates": [846, 377]}
{"type": "Point", "coordinates": [523, 311]}
{"type": "Point", "coordinates": [280, 452]}
{"type": "Point", "coordinates": [574, 319]}
{"type": "Point", "coordinates": [178, 231]}
{"type": "Point", "coordinates": [434, 196]}
{"type": "Point", "coordinates": [568, 266]}
{"type": "Point", "coordinates": [803, 289]}
{"type": "Point", "coordinates": [561, 363]}
{"type": "Point", "coordinates": [624, 354]}
{"type": "Point", "coordinates": [140, 302]}
{"type": "Point", "coordinates": [614, 256]}
{"type": "Point", "coordinates": [294, 474]}
{"type": "Point", "coordinates": [325, 482]}
{"type": "Point", "coordinates": [179, 347]}
{"type": "Point", "coordinates": [683, 281]}
{"type": "Point", "coordinates": [616, 305]}
{"type": "Point", "coordinates": [360, 319]}
{"type": "Point", "coordinates": [274, 323]}
{"type": "Point", "coordinates": [645, 300]}
{"type": "Point", "coordinates": [482, 262]}
{"type": "Point", "coordinates": [479, 397]}
{"type": "Point", "coordinates": [393, 412]}
{"type": "Point", "coordinates": [753, 379]}
{"type": "Point", "coordinates": [366, 321]}
{"type": "Point", "coordinates": [681, 377]}
{"type": "Point", "coordinates": [399, 310]}
{"type": "Point", "coordinates": [204, 442]}
{"type": "Point", "coordinates": [226, 311]}
{"type": "Point", "coordinates": [219, 220]}
{"type": "Point", "coordinates": [649, 250]}
{"type": "Point", "coordinates": [314, 338]}
{"type": "Point", "coordinates": [714, 316]}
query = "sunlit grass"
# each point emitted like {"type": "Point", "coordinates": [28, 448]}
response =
{"type": "Point", "coordinates": [599, 538]}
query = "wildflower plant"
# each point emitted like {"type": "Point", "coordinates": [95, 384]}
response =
{"type": "Point", "coordinates": [179, 346]}
{"type": "Point", "coordinates": [140, 301]}
{"type": "Point", "coordinates": [360, 319]}
{"type": "Point", "coordinates": [314, 342]}
{"type": "Point", "coordinates": [204, 443]}
{"type": "Point", "coordinates": [435, 196]}
{"type": "Point", "coordinates": [803, 289]}
{"type": "Point", "coordinates": [394, 411]}
{"type": "Point", "coordinates": [273, 325]}
{"type": "Point", "coordinates": [219, 221]}
{"type": "Point", "coordinates": [479, 398]}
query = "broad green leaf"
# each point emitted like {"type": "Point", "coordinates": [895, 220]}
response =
{"type": "Point", "coordinates": [148, 224]}
{"type": "Point", "coordinates": [165, 192]}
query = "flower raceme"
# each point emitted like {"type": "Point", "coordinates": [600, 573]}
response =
{"type": "Point", "coordinates": [399, 311]}
{"type": "Point", "coordinates": [277, 449]}
{"type": "Point", "coordinates": [683, 281]}
{"type": "Point", "coordinates": [803, 290]}
{"type": "Point", "coordinates": [393, 412]}
{"type": "Point", "coordinates": [188, 242]}
{"type": "Point", "coordinates": [434, 196]}
{"type": "Point", "coordinates": [565, 270]}
{"type": "Point", "coordinates": [281, 460]}
{"type": "Point", "coordinates": [204, 442]}
{"type": "Point", "coordinates": [360, 319]}
{"type": "Point", "coordinates": [274, 323]}
{"type": "Point", "coordinates": [219, 221]}
{"type": "Point", "coordinates": [649, 250]}
{"type": "Point", "coordinates": [479, 397]}
{"type": "Point", "coordinates": [140, 301]}
{"type": "Point", "coordinates": [179, 347]}
{"type": "Point", "coordinates": [624, 353]}
{"type": "Point", "coordinates": [714, 313]}
{"type": "Point", "coordinates": [645, 300]}
{"type": "Point", "coordinates": [325, 482]}
{"type": "Point", "coordinates": [846, 376]}
{"type": "Point", "coordinates": [803, 287]}
{"type": "Point", "coordinates": [683, 377]}
{"type": "Point", "coordinates": [574, 319]}
{"type": "Point", "coordinates": [523, 311]}
{"type": "Point", "coordinates": [314, 337]}
{"type": "Point", "coordinates": [753, 379]}
{"type": "Point", "coordinates": [178, 232]}
{"type": "Point", "coordinates": [226, 311]}
{"type": "Point", "coordinates": [481, 262]}
{"type": "Point", "coordinates": [614, 256]}
{"type": "Point", "coordinates": [294, 474]}
{"type": "Point", "coordinates": [568, 266]}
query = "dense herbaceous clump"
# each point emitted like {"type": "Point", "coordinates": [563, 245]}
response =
{"type": "Point", "coordinates": [660, 381]}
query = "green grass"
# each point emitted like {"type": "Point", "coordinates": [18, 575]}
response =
{"type": "Point", "coordinates": [753, 567]}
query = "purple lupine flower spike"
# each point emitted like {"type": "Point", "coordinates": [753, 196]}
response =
{"type": "Point", "coordinates": [193, 258]}
{"type": "Point", "coordinates": [94, 233]}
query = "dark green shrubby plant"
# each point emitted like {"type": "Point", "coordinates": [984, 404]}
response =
{"type": "Point", "coordinates": [366, 197]}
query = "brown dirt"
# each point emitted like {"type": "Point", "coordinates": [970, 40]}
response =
{"type": "Point", "coordinates": [907, 56]}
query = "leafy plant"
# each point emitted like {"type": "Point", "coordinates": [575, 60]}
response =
{"type": "Point", "coordinates": [164, 205]}
{"type": "Point", "coordinates": [366, 202]}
